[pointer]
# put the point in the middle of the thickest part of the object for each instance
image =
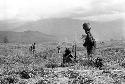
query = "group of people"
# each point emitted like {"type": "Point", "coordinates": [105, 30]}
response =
{"type": "Point", "coordinates": [89, 44]}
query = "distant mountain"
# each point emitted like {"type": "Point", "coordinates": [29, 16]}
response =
{"type": "Point", "coordinates": [109, 30]}
{"type": "Point", "coordinates": [62, 28]}
{"type": "Point", "coordinates": [66, 28]}
{"type": "Point", "coordinates": [26, 37]}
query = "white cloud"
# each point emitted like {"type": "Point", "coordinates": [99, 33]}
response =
{"type": "Point", "coordinates": [40, 9]}
{"type": "Point", "coordinates": [35, 9]}
{"type": "Point", "coordinates": [104, 17]}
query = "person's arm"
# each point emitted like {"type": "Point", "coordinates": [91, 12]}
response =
{"type": "Point", "coordinates": [85, 43]}
{"type": "Point", "coordinates": [92, 39]}
{"type": "Point", "coordinates": [90, 36]}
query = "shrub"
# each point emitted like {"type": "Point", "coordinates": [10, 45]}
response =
{"type": "Point", "coordinates": [9, 80]}
{"type": "Point", "coordinates": [86, 62]}
{"type": "Point", "coordinates": [41, 82]}
{"type": "Point", "coordinates": [24, 75]}
{"type": "Point", "coordinates": [98, 63]}
{"type": "Point", "coordinates": [51, 65]}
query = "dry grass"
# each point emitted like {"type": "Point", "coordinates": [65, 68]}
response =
{"type": "Point", "coordinates": [44, 67]}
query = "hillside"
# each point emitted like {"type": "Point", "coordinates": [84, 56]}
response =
{"type": "Point", "coordinates": [69, 28]}
{"type": "Point", "coordinates": [26, 37]}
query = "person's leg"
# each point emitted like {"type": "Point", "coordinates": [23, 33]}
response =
{"type": "Point", "coordinates": [89, 52]}
{"type": "Point", "coordinates": [64, 60]}
{"type": "Point", "coordinates": [33, 51]}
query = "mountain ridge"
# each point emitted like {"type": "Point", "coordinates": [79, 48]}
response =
{"type": "Point", "coordinates": [26, 37]}
{"type": "Point", "coordinates": [72, 28]}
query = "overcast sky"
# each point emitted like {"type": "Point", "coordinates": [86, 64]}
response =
{"type": "Point", "coordinates": [20, 11]}
{"type": "Point", "coordinates": [30, 10]}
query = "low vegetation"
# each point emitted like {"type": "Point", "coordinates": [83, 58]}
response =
{"type": "Point", "coordinates": [19, 66]}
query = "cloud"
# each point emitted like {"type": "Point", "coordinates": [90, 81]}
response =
{"type": "Point", "coordinates": [40, 9]}
{"type": "Point", "coordinates": [102, 10]}
{"type": "Point", "coordinates": [103, 17]}
{"type": "Point", "coordinates": [35, 9]}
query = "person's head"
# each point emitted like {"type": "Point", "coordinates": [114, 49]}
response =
{"type": "Point", "coordinates": [86, 26]}
{"type": "Point", "coordinates": [34, 43]}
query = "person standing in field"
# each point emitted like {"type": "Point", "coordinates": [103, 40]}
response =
{"type": "Point", "coordinates": [33, 47]}
{"type": "Point", "coordinates": [90, 42]}
{"type": "Point", "coordinates": [30, 48]}
{"type": "Point", "coordinates": [58, 48]}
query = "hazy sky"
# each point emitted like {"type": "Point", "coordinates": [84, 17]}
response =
{"type": "Point", "coordinates": [30, 10]}
{"type": "Point", "coordinates": [18, 12]}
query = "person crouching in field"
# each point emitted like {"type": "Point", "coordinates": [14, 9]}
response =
{"type": "Point", "coordinates": [90, 42]}
{"type": "Point", "coordinates": [58, 49]}
{"type": "Point", "coordinates": [67, 57]}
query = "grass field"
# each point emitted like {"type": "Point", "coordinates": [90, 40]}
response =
{"type": "Point", "coordinates": [19, 66]}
